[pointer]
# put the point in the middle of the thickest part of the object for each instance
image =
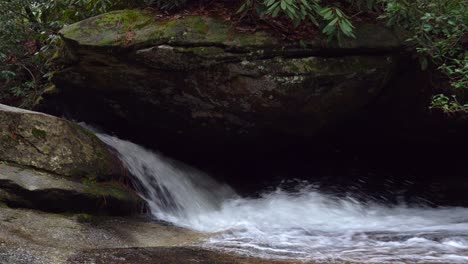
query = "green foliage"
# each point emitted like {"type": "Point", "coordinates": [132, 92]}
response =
{"type": "Point", "coordinates": [338, 23]}
{"type": "Point", "coordinates": [448, 104]}
{"type": "Point", "coordinates": [332, 21]}
{"type": "Point", "coordinates": [438, 30]}
{"type": "Point", "coordinates": [29, 43]}
{"type": "Point", "coordinates": [296, 10]}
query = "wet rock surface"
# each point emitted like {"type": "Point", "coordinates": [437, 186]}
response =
{"type": "Point", "coordinates": [32, 237]}
{"type": "Point", "coordinates": [28, 188]}
{"type": "Point", "coordinates": [167, 255]}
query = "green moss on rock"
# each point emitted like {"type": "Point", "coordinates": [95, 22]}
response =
{"type": "Point", "coordinates": [108, 189]}
{"type": "Point", "coordinates": [110, 29]}
{"type": "Point", "coordinates": [130, 28]}
{"type": "Point", "coordinates": [107, 29]}
{"type": "Point", "coordinates": [38, 133]}
{"type": "Point", "coordinates": [3, 205]}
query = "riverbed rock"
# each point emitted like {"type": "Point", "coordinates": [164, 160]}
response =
{"type": "Point", "coordinates": [29, 188]}
{"type": "Point", "coordinates": [55, 145]}
{"type": "Point", "coordinates": [170, 255]}
{"type": "Point", "coordinates": [34, 237]}
{"type": "Point", "coordinates": [197, 80]}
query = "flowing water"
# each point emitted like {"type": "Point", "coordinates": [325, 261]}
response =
{"type": "Point", "coordinates": [304, 224]}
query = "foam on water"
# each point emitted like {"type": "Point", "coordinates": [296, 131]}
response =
{"type": "Point", "coordinates": [304, 224]}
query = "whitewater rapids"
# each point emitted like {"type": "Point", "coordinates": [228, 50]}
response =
{"type": "Point", "coordinates": [302, 225]}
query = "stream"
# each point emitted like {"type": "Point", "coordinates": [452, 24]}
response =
{"type": "Point", "coordinates": [302, 223]}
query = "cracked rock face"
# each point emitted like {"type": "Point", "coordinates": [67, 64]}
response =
{"type": "Point", "coordinates": [52, 144]}
{"type": "Point", "coordinates": [197, 77]}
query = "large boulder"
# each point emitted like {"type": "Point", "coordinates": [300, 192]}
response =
{"type": "Point", "coordinates": [135, 29]}
{"type": "Point", "coordinates": [52, 164]}
{"type": "Point", "coordinates": [197, 79]}
{"type": "Point", "coordinates": [55, 145]}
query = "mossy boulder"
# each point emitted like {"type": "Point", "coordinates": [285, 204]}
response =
{"type": "Point", "coordinates": [197, 78]}
{"type": "Point", "coordinates": [28, 188]}
{"type": "Point", "coordinates": [138, 28]}
{"type": "Point", "coordinates": [55, 145]}
{"type": "Point", "coordinates": [128, 28]}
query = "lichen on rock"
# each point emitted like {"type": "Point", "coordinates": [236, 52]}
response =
{"type": "Point", "coordinates": [52, 144]}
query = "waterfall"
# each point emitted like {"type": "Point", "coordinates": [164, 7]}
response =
{"type": "Point", "coordinates": [304, 224]}
{"type": "Point", "coordinates": [172, 190]}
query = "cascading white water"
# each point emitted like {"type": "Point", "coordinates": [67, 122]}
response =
{"type": "Point", "coordinates": [172, 190]}
{"type": "Point", "coordinates": [304, 225]}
